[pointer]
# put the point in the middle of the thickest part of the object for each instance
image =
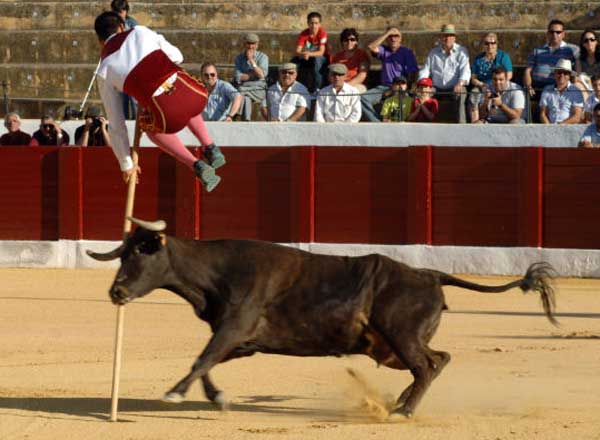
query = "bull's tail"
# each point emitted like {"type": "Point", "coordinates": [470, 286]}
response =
{"type": "Point", "coordinates": [537, 278]}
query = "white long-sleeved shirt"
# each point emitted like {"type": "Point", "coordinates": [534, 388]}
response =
{"type": "Point", "coordinates": [445, 70]}
{"type": "Point", "coordinates": [136, 62]}
{"type": "Point", "coordinates": [338, 107]}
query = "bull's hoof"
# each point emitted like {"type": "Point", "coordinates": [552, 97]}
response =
{"type": "Point", "coordinates": [400, 414]}
{"type": "Point", "coordinates": [221, 401]}
{"type": "Point", "coordinates": [172, 397]}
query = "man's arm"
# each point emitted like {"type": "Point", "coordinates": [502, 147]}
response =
{"type": "Point", "coordinates": [527, 81]}
{"type": "Point", "coordinates": [356, 111]}
{"type": "Point", "coordinates": [319, 109]}
{"type": "Point", "coordinates": [374, 45]}
{"type": "Point", "coordinates": [544, 115]}
{"type": "Point", "coordinates": [575, 117]}
{"type": "Point", "coordinates": [297, 114]}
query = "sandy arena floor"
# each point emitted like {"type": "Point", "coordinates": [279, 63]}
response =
{"type": "Point", "coordinates": [512, 376]}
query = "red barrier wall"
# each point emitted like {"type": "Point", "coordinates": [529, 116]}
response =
{"type": "Point", "coordinates": [431, 195]}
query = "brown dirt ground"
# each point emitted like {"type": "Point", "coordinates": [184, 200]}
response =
{"type": "Point", "coordinates": [512, 376]}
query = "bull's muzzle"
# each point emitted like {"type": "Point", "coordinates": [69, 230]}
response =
{"type": "Point", "coordinates": [120, 295]}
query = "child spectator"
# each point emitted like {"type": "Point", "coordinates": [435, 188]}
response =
{"type": "Point", "coordinates": [311, 53]}
{"type": "Point", "coordinates": [392, 110]}
{"type": "Point", "coordinates": [594, 99]}
{"type": "Point", "coordinates": [424, 107]}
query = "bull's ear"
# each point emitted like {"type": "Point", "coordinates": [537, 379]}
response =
{"type": "Point", "coordinates": [163, 239]}
{"type": "Point", "coordinates": [115, 253]}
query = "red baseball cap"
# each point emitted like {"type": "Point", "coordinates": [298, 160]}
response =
{"type": "Point", "coordinates": [425, 82]}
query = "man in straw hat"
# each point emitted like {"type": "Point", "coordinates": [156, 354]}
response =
{"type": "Point", "coordinates": [563, 103]}
{"type": "Point", "coordinates": [448, 67]}
{"type": "Point", "coordinates": [144, 65]}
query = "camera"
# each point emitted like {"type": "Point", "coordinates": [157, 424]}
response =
{"type": "Point", "coordinates": [495, 95]}
{"type": "Point", "coordinates": [72, 113]}
{"type": "Point", "coordinates": [96, 122]}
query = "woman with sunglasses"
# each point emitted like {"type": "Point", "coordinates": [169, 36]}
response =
{"type": "Point", "coordinates": [481, 71]}
{"type": "Point", "coordinates": [588, 62]}
{"type": "Point", "coordinates": [355, 59]}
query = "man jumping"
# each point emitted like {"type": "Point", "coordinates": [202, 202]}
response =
{"type": "Point", "coordinates": [144, 65]}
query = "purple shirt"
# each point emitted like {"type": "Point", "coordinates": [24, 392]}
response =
{"type": "Point", "coordinates": [393, 64]}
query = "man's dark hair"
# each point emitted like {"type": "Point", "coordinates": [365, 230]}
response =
{"type": "Point", "coordinates": [313, 15]}
{"type": "Point", "coordinates": [499, 69]}
{"type": "Point", "coordinates": [595, 77]}
{"type": "Point", "coordinates": [596, 108]}
{"type": "Point", "coordinates": [119, 5]}
{"type": "Point", "coordinates": [556, 21]}
{"type": "Point", "coordinates": [107, 24]}
{"type": "Point", "coordinates": [348, 32]}
{"type": "Point", "coordinates": [207, 64]}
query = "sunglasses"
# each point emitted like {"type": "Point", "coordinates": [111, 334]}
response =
{"type": "Point", "coordinates": [394, 36]}
{"type": "Point", "coordinates": [350, 39]}
{"type": "Point", "coordinates": [562, 72]}
{"type": "Point", "coordinates": [555, 32]}
{"type": "Point", "coordinates": [287, 72]}
{"type": "Point", "coordinates": [48, 126]}
{"type": "Point", "coordinates": [489, 43]}
{"type": "Point", "coordinates": [337, 74]}
{"type": "Point", "coordinates": [209, 75]}
{"type": "Point", "coordinates": [587, 40]}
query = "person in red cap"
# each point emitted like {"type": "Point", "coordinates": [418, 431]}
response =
{"type": "Point", "coordinates": [144, 65]}
{"type": "Point", "coordinates": [424, 107]}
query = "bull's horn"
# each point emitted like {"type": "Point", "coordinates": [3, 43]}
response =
{"type": "Point", "coordinates": [157, 226]}
{"type": "Point", "coordinates": [115, 253]}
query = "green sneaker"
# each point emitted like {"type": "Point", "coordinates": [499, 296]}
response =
{"type": "Point", "coordinates": [206, 174]}
{"type": "Point", "coordinates": [213, 155]}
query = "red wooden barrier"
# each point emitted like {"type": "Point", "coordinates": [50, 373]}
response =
{"type": "Point", "coordinates": [431, 195]}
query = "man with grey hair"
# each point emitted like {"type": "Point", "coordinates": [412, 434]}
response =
{"type": "Point", "coordinates": [338, 102]}
{"type": "Point", "coordinates": [15, 136]}
{"type": "Point", "coordinates": [287, 100]}
{"type": "Point", "coordinates": [251, 70]}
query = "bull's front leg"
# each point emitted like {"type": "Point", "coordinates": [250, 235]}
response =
{"type": "Point", "coordinates": [214, 394]}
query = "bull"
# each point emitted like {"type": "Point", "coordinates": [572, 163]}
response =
{"type": "Point", "coordinates": [267, 298]}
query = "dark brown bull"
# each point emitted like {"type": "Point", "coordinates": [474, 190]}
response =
{"type": "Point", "coordinates": [267, 298]}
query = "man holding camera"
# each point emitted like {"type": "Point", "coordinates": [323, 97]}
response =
{"type": "Point", "coordinates": [504, 103]}
{"type": "Point", "coordinates": [49, 134]}
{"type": "Point", "coordinates": [94, 132]}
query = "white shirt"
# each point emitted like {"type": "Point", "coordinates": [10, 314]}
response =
{"type": "Point", "coordinates": [113, 72]}
{"type": "Point", "coordinates": [560, 105]}
{"type": "Point", "coordinates": [338, 107]}
{"type": "Point", "coordinates": [283, 105]}
{"type": "Point", "coordinates": [445, 70]}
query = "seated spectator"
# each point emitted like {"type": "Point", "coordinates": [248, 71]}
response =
{"type": "Point", "coordinates": [312, 53]}
{"type": "Point", "coordinates": [355, 59]}
{"type": "Point", "coordinates": [424, 107]}
{"type": "Point", "coordinates": [392, 110]}
{"type": "Point", "coordinates": [504, 101]}
{"type": "Point", "coordinates": [563, 103]}
{"type": "Point", "coordinates": [121, 7]}
{"type": "Point", "coordinates": [49, 133]}
{"type": "Point", "coordinates": [481, 71]}
{"type": "Point", "coordinates": [589, 58]}
{"type": "Point", "coordinates": [251, 69]}
{"type": "Point", "coordinates": [224, 101]}
{"type": "Point", "coordinates": [540, 62]}
{"type": "Point", "coordinates": [287, 100]}
{"type": "Point", "coordinates": [593, 99]}
{"type": "Point", "coordinates": [15, 136]}
{"type": "Point", "coordinates": [338, 102]}
{"type": "Point", "coordinates": [448, 67]}
{"type": "Point", "coordinates": [94, 133]}
{"type": "Point", "coordinates": [591, 135]}
{"type": "Point", "coordinates": [396, 60]}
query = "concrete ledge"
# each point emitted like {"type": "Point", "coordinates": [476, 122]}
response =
{"type": "Point", "coordinates": [454, 259]}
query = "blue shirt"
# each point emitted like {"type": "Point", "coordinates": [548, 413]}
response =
{"type": "Point", "coordinates": [560, 105]}
{"type": "Point", "coordinates": [242, 65]}
{"type": "Point", "coordinates": [483, 67]}
{"type": "Point", "coordinates": [543, 59]}
{"type": "Point", "coordinates": [591, 134]}
{"type": "Point", "coordinates": [393, 64]}
{"type": "Point", "coordinates": [219, 101]}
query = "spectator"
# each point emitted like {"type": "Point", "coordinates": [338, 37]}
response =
{"type": "Point", "coordinates": [424, 107]}
{"type": "Point", "coordinates": [338, 102]}
{"type": "Point", "coordinates": [448, 67]}
{"type": "Point", "coordinates": [589, 58]}
{"type": "Point", "coordinates": [591, 135]}
{"type": "Point", "coordinates": [312, 53]}
{"type": "Point", "coordinates": [49, 133]}
{"type": "Point", "coordinates": [538, 73]}
{"type": "Point", "coordinates": [563, 103]}
{"type": "Point", "coordinates": [15, 136]}
{"type": "Point", "coordinates": [396, 60]}
{"type": "Point", "coordinates": [224, 101]}
{"type": "Point", "coordinates": [396, 108]}
{"type": "Point", "coordinates": [94, 133]}
{"type": "Point", "coordinates": [287, 100]}
{"type": "Point", "coordinates": [481, 71]}
{"type": "Point", "coordinates": [593, 100]}
{"type": "Point", "coordinates": [251, 69]}
{"type": "Point", "coordinates": [504, 101]}
{"type": "Point", "coordinates": [121, 7]}
{"type": "Point", "coordinates": [357, 61]}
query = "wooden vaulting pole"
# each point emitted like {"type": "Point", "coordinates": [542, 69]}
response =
{"type": "Point", "coordinates": [131, 185]}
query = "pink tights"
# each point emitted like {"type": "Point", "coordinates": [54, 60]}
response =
{"type": "Point", "coordinates": [171, 144]}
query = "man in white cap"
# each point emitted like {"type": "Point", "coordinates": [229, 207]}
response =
{"type": "Point", "coordinates": [251, 70]}
{"type": "Point", "coordinates": [448, 67]}
{"type": "Point", "coordinates": [287, 100]}
{"type": "Point", "coordinates": [561, 103]}
{"type": "Point", "coordinates": [338, 102]}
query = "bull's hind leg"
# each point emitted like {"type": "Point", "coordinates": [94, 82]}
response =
{"type": "Point", "coordinates": [438, 360]}
{"type": "Point", "coordinates": [214, 394]}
